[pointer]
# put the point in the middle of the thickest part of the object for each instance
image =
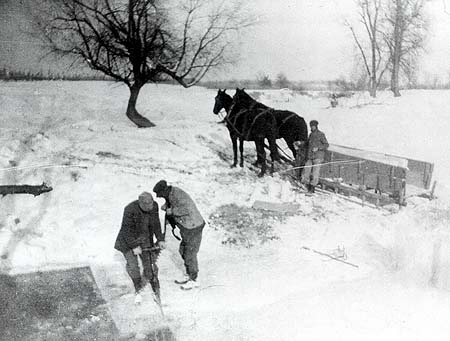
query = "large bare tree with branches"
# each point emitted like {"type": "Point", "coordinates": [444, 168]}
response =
{"type": "Point", "coordinates": [404, 34]}
{"type": "Point", "coordinates": [393, 34]}
{"type": "Point", "coordinates": [370, 47]}
{"type": "Point", "coordinates": [142, 41]}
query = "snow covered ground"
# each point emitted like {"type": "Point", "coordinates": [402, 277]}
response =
{"type": "Point", "coordinates": [75, 137]}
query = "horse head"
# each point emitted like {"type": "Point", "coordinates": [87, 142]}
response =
{"type": "Point", "coordinates": [243, 98]}
{"type": "Point", "coordinates": [238, 94]}
{"type": "Point", "coordinates": [222, 101]}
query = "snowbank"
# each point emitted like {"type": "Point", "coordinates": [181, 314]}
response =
{"type": "Point", "coordinates": [74, 135]}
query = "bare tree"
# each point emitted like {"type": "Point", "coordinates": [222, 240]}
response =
{"type": "Point", "coordinates": [404, 34]}
{"type": "Point", "coordinates": [371, 47]}
{"type": "Point", "coordinates": [263, 80]}
{"type": "Point", "coordinates": [446, 10]}
{"type": "Point", "coordinates": [142, 41]}
{"type": "Point", "coordinates": [282, 81]}
{"type": "Point", "coordinates": [409, 72]}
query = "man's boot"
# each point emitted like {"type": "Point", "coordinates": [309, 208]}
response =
{"type": "Point", "coordinates": [137, 282]}
{"type": "Point", "coordinates": [182, 280]}
{"type": "Point", "coordinates": [191, 284]}
{"type": "Point", "coordinates": [156, 290]}
{"type": "Point", "coordinates": [304, 187]}
{"type": "Point", "coordinates": [310, 189]}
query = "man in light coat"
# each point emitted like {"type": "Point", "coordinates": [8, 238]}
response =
{"type": "Point", "coordinates": [181, 209]}
{"type": "Point", "coordinates": [317, 145]}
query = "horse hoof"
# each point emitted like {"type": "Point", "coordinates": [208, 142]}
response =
{"type": "Point", "coordinates": [260, 175]}
{"type": "Point", "coordinates": [242, 165]}
{"type": "Point", "coordinates": [233, 165]}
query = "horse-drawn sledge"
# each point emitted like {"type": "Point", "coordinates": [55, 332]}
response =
{"type": "Point", "coordinates": [374, 177]}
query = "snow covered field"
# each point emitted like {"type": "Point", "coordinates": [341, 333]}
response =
{"type": "Point", "coordinates": [75, 137]}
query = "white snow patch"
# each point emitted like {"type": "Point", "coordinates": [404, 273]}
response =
{"type": "Point", "coordinates": [277, 291]}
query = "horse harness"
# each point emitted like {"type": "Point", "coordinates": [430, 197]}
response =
{"type": "Point", "coordinates": [257, 116]}
{"type": "Point", "coordinates": [287, 119]}
{"type": "Point", "coordinates": [239, 113]}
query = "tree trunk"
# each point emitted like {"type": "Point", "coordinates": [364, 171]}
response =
{"type": "Point", "coordinates": [132, 113]}
{"type": "Point", "coordinates": [373, 76]}
{"type": "Point", "coordinates": [373, 88]}
{"type": "Point", "coordinates": [396, 53]}
{"type": "Point", "coordinates": [394, 77]}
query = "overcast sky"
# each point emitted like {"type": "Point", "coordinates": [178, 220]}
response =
{"type": "Point", "coordinates": [305, 39]}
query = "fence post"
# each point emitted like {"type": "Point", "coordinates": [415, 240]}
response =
{"type": "Point", "coordinates": [402, 192]}
{"type": "Point", "coordinates": [432, 190]}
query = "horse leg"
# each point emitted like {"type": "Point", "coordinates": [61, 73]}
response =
{"type": "Point", "coordinates": [258, 158]}
{"type": "Point", "coordinates": [290, 144]}
{"type": "Point", "coordinates": [241, 150]}
{"type": "Point", "coordinates": [274, 156]}
{"type": "Point", "coordinates": [262, 154]}
{"type": "Point", "coordinates": [234, 140]}
{"type": "Point", "coordinates": [300, 160]}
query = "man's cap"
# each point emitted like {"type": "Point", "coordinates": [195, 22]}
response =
{"type": "Point", "coordinates": [160, 186]}
{"type": "Point", "coordinates": [145, 197]}
{"type": "Point", "coordinates": [314, 123]}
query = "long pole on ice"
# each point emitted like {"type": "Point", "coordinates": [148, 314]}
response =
{"type": "Point", "coordinates": [330, 256]}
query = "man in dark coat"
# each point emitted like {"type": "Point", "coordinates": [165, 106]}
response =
{"type": "Point", "coordinates": [140, 224]}
{"type": "Point", "coordinates": [317, 145]}
{"type": "Point", "coordinates": [182, 211]}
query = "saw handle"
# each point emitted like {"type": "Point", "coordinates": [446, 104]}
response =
{"type": "Point", "coordinates": [153, 248]}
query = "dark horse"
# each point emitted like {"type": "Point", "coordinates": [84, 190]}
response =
{"type": "Point", "coordinates": [254, 124]}
{"type": "Point", "coordinates": [291, 127]}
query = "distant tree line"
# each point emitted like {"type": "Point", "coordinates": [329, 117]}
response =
{"type": "Point", "coordinates": [341, 84]}
{"type": "Point", "coordinates": [261, 81]}
{"type": "Point", "coordinates": [267, 83]}
{"type": "Point", "coordinates": [7, 74]}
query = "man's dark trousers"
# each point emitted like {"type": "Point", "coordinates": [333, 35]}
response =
{"type": "Point", "coordinates": [189, 247]}
{"type": "Point", "coordinates": [134, 271]}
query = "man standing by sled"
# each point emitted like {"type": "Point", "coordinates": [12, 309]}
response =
{"type": "Point", "coordinates": [182, 211]}
{"type": "Point", "coordinates": [317, 145]}
{"type": "Point", "coordinates": [140, 224]}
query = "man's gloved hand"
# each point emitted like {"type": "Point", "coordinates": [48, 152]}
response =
{"type": "Point", "coordinates": [137, 251]}
{"type": "Point", "coordinates": [298, 144]}
{"type": "Point", "coordinates": [162, 245]}
{"type": "Point", "coordinates": [169, 211]}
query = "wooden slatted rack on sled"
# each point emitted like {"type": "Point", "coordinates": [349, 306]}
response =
{"type": "Point", "coordinates": [375, 177]}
